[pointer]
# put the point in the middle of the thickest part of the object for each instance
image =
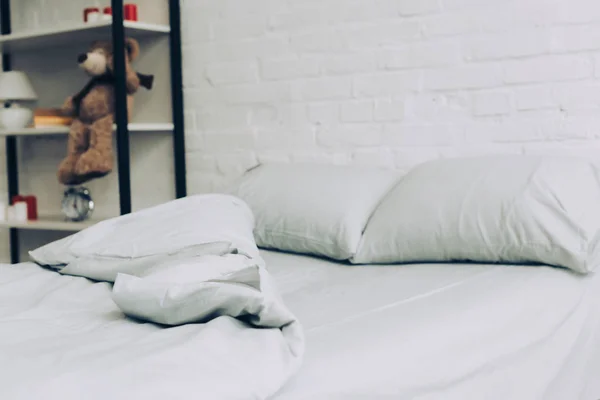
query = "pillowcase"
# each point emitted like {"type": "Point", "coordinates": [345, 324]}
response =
{"type": "Point", "coordinates": [502, 209]}
{"type": "Point", "coordinates": [217, 219]}
{"type": "Point", "coordinates": [313, 208]}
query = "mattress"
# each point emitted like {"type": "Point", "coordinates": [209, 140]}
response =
{"type": "Point", "coordinates": [441, 332]}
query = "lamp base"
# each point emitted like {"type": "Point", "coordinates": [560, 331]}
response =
{"type": "Point", "coordinates": [15, 118]}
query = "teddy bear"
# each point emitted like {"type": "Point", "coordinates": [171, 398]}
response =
{"type": "Point", "coordinates": [90, 146]}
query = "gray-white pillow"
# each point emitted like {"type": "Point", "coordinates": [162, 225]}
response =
{"type": "Point", "coordinates": [502, 209]}
{"type": "Point", "coordinates": [313, 208]}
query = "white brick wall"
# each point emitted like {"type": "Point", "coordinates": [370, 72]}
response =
{"type": "Point", "coordinates": [381, 82]}
{"type": "Point", "coordinates": [388, 82]}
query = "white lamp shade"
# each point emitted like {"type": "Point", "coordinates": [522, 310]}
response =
{"type": "Point", "coordinates": [14, 85]}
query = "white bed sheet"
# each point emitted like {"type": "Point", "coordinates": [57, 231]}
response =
{"type": "Point", "coordinates": [441, 332]}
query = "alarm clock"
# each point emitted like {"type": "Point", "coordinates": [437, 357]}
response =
{"type": "Point", "coordinates": [77, 204]}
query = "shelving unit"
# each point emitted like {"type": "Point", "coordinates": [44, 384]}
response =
{"type": "Point", "coordinates": [12, 45]}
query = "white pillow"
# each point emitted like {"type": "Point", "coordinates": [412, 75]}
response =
{"type": "Point", "coordinates": [313, 208]}
{"type": "Point", "coordinates": [167, 228]}
{"type": "Point", "coordinates": [503, 209]}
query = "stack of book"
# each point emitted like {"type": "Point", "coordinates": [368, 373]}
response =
{"type": "Point", "coordinates": [49, 117]}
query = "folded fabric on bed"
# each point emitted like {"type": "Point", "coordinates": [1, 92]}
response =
{"type": "Point", "coordinates": [214, 219]}
{"type": "Point", "coordinates": [501, 209]}
{"type": "Point", "coordinates": [192, 261]}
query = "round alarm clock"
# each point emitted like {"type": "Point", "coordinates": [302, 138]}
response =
{"type": "Point", "coordinates": [77, 204]}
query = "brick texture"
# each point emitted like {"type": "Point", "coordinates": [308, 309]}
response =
{"type": "Point", "coordinates": [395, 83]}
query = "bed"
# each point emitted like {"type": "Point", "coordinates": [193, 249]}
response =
{"type": "Point", "coordinates": [381, 332]}
{"type": "Point", "coordinates": [318, 290]}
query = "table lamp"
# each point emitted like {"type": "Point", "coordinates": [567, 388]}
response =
{"type": "Point", "coordinates": [15, 88]}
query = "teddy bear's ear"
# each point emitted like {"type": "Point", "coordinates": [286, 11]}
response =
{"type": "Point", "coordinates": [133, 48]}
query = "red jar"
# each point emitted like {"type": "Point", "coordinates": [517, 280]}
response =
{"type": "Point", "coordinates": [130, 12]}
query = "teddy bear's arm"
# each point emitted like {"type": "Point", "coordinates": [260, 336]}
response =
{"type": "Point", "coordinates": [68, 108]}
{"type": "Point", "coordinates": [70, 105]}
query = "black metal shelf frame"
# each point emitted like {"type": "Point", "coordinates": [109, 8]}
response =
{"type": "Point", "coordinates": [123, 149]}
{"type": "Point", "coordinates": [177, 99]}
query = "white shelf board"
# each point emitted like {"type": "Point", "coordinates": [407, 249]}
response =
{"type": "Point", "coordinates": [63, 130]}
{"type": "Point", "coordinates": [149, 127]}
{"type": "Point", "coordinates": [50, 224]}
{"type": "Point", "coordinates": [80, 33]}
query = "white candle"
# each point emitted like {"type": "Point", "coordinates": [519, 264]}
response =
{"type": "Point", "coordinates": [20, 211]}
{"type": "Point", "coordinates": [94, 16]}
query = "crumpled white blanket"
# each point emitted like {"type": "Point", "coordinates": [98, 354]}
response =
{"type": "Point", "coordinates": [210, 284]}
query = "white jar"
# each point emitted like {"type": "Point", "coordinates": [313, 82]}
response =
{"type": "Point", "coordinates": [94, 16]}
{"type": "Point", "coordinates": [20, 211]}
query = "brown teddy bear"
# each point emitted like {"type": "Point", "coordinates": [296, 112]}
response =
{"type": "Point", "coordinates": [90, 150]}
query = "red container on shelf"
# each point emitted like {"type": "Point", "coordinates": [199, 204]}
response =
{"type": "Point", "coordinates": [31, 201]}
{"type": "Point", "coordinates": [130, 12]}
{"type": "Point", "coordinates": [107, 12]}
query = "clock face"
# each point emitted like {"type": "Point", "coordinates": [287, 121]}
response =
{"type": "Point", "coordinates": [77, 204]}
